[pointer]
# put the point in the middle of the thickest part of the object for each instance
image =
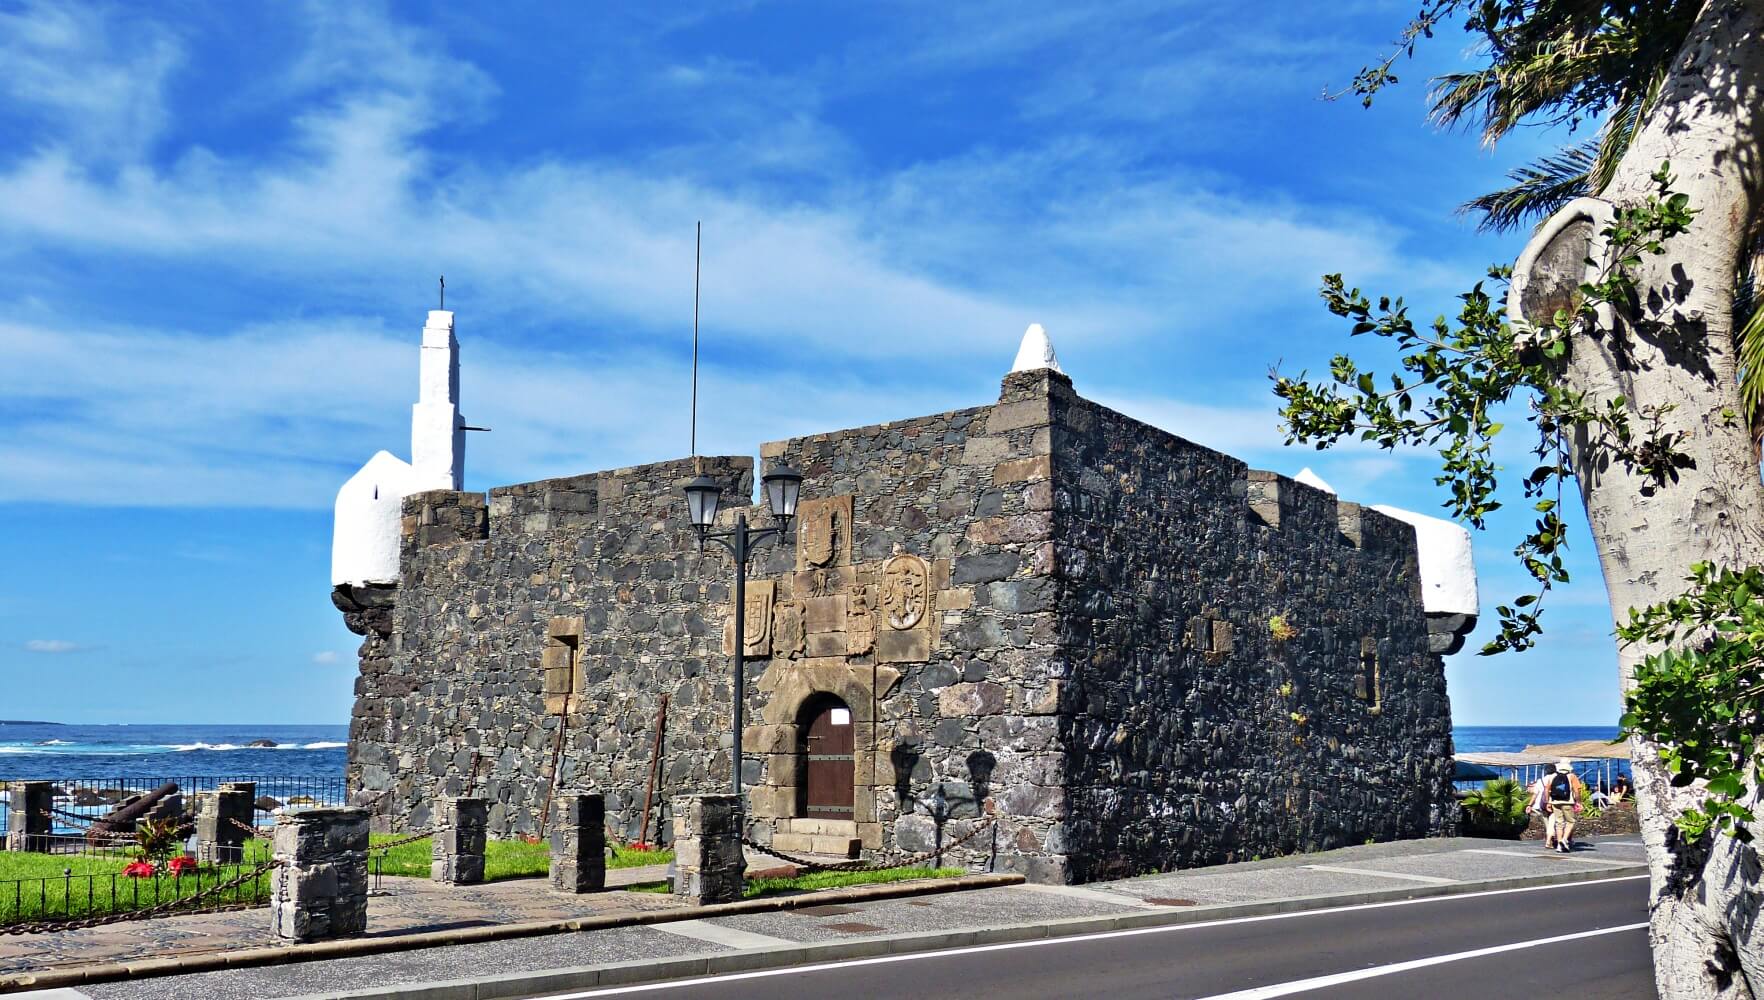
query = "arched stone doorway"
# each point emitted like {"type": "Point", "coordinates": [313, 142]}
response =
{"type": "Point", "coordinates": [827, 749]}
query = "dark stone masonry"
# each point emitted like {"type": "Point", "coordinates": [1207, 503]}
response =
{"type": "Point", "coordinates": [1145, 654]}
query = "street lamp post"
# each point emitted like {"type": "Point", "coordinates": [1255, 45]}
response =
{"type": "Point", "coordinates": [782, 485]}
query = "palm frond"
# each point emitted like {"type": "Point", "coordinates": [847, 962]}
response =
{"type": "Point", "coordinates": [1748, 336]}
{"type": "Point", "coordinates": [1561, 61]}
{"type": "Point", "coordinates": [1538, 189]}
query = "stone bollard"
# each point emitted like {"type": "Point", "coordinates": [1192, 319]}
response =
{"type": "Point", "coordinates": [223, 819]}
{"type": "Point", "coordinates": [709, 864]}
{"type": "Point", "coordinates": [320, 890]}
{"type": "Point", "coordinates": [578, 844]}
{"type": "Point", "coordinates": [28, 821]}
{"type": "Point", "coordinates": [458, 852]}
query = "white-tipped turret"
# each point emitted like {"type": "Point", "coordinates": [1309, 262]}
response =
{"type": "Point", "coordinates": [1036, 352]}
{"type": "Point", "coordinates": [365, 533]}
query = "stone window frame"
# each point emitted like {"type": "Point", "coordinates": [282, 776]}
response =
{"type": "Point", "coordinates": [1210, 634]}
{"type": "Point", "coordinates": [561, 663]}
{"type": "Point", "coordinates": [1367, 679]}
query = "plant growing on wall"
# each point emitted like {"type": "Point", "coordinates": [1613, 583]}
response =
{"type": "Point", "coordinates": [1281, 629]}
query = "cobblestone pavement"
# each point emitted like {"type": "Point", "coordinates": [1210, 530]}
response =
{"type": "Point", "coordinates": [1336, 873]}
{"type": "Point", "coordinates": [405, 905]}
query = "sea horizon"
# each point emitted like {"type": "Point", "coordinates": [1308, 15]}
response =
{"type": "Point", "coordinates": [44, 750]}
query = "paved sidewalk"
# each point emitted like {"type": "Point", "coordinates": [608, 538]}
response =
{"type": "Point", "coordinates": [1321, 879]}
{"type": "Point", "coordinates": [403, 906]}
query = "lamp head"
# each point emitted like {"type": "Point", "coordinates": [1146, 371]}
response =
{"type": "Point", "coordinates": [783, 486]}
{"type": "Point", "coordinates": [702, 496]}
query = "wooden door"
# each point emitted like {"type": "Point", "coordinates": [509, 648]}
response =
{"type": "Point", "coordinates": [829, 769]}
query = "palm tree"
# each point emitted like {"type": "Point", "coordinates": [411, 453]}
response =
{"type": "Point", "coordinates": [1568, 62]}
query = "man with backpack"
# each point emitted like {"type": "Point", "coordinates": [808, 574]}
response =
{"type": "Point", "coordinates": [1562, 790]}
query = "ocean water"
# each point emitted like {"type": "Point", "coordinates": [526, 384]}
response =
{"type": "Point", "coordinates": [1496, 738]}
{"type": "Point", "coordinates": [93, 753]}
{"type": "Point", "coordinates": [33, 750]}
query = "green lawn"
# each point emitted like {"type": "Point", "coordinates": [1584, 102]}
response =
{"type": "Point", "coordinates": [503, 859]}
{"type": "Point", "coordinates": [823, 880]}
{"type": "Point", "coordinates": [70, 886]}
{"type": "Point", "coordinates": [29, 864]}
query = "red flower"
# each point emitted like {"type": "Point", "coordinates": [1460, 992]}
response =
{"type": "Point", "coordinates": [139, 869]}
{"type": "Point", "coordinates": [182, 865]}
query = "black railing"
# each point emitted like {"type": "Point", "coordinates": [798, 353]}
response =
{"type": "Point", "coordinates": [73, 897]}
{"type": "Point", "coordinates": [80, 802]}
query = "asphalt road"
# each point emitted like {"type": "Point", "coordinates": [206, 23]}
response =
{"type": "Point", "coordinates": [1257, 959]}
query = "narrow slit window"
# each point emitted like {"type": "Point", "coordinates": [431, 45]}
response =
{"type": "Point", "coordinates": [1366, 680]}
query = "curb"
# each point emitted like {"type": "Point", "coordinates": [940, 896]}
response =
{"type": "Point", "coordinates": [638, 971]}
{"type": "Point", "coordinates": [355, 947]}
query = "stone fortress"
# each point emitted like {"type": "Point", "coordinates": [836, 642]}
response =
{"type": "Point", "coordinates": [1136, 652]}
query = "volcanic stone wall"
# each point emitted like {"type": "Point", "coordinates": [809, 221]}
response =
{"type": "Point", "coordinates": [1246, 659]}
{"type": "Point", "coordinates": [453, 699]}
{"type": "Point", "coordinates": [1038, 603]}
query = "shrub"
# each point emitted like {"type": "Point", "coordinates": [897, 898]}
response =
{"type": "Point", "coordinates": [1500, 802]}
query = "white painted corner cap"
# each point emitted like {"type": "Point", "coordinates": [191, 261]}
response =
{"type": "Point", "coordinates": [1036, 352]}
{"type": "Point", "coordinates": [1448, 568]}
{"type": "Point", "coordinates": [1313, 480]}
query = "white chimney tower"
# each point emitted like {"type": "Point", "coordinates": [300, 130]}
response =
{"type": "Point", "coordinates": [437, 431]}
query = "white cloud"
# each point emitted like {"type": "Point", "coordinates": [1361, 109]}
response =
{"type": "Point", "coordinates": [327, 656]}
{"type": "Point", "coordinates": [53, 646]}
{"type": "Point", "coordinates": [879, 296]}
{"type": "Point", "coordinates": [99, 77]}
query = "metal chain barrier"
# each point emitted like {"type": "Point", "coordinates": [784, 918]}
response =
{"type": "Point", "coordinates": [163, 909]}
{"type": "Point", "coordinates": [854, 866]}
{"type": "Point", "coordinates": [413, 838]}
{"type": "Point", "coordinates": [250, 831]}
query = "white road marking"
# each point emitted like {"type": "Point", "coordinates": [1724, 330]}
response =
{"type": "Point", "coordinates": [1345, 870]}
{"type": "Point", "coordinates": [613, 991]}
{"type": "Point", "coordinates": [1542, 855]}
{"type": "Point", "coordinates": [62, 993]}
{"type": "Point", "coordinates": [729, 937]}
{"type": "Point", "coordinates": [1099, 895]}
{"type": "Point", "coordinates": [1339, 978]}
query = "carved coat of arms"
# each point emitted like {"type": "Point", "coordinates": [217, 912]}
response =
{"type": "Point", "coordinates": [757, 622]}
{"type": "Point", "coordinates": [824, 531]}
{"type": "Point", "coordinates": [906, 591]}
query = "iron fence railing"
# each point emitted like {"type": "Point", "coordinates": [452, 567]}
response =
{"type": "Point", "coordinates": [70, 897]}
{"type": "Point", "coordinates": [80, 802]}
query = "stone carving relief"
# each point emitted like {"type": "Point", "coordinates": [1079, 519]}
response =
{"type": "Point", "coordinates": [787, 630]}
{"type": "Point", "coordinates": [906, 590]}
{"type": "Point", "coordinates": [823, 532]}
{"type": "Point", "coordinates": [860, 624]}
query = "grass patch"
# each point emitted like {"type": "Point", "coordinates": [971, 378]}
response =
{"type": "Point", "coordinates": [503, 859]}
{"type": "Point", "coordinates": [30, 864]}
{"type": "Point", "coordinates": [822, 880]}
{"type": "Point", "coordinates": [839, 880]}
{"type": "Point", "coordinates": [631, 857]}
{"type": "Point", "coordinates": [37, 887]}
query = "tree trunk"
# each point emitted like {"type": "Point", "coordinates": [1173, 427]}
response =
{"type": "Point", "coordinates": [1676, 349]}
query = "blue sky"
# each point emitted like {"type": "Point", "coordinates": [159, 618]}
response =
{"type": "Point", "coordinates": [221, 224]}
